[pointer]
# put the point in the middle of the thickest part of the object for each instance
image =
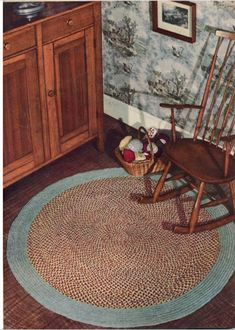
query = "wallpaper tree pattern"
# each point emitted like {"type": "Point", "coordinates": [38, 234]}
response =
{"type": "Point", "coordinates": [143, 68]}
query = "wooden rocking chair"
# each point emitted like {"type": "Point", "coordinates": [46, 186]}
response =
{"type": "Point", "coordinates": [207, 157]}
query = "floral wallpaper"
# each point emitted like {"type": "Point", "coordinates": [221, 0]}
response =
{"type": "Point", "coordinates": [143, 68]}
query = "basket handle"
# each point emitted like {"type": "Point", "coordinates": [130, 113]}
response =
{"type": "Point", "coordinates": [143, 130]}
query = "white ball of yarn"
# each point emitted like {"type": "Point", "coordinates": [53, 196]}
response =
{"type": "Point", "coordinates": [135, 145]}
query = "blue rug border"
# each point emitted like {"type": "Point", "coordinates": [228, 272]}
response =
{"type": "Point", "coordinates": [46, 295]}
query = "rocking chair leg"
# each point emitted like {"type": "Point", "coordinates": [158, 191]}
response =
{"type": "Point", "coordinates": [196, 208]}
{"type": "Point", "coordinates": [161, 182]}
{"type": "Point", "coordinates": [194, 216]}
{"type": "Point", "coordinates": [153, 199]}
{"type": "Point", "coordinates": [232, 192]}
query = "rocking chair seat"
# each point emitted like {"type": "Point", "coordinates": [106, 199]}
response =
{"type": "Point", "coordinates": [201, 160]}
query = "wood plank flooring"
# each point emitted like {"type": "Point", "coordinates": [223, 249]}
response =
{"type": "Point", "coordinates": [21, 311]}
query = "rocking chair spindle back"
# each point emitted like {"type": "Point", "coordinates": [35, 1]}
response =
{"type": "Point", "coordinates": [219, 96]}
{"type": "Point", "coordinates": [207, 158]}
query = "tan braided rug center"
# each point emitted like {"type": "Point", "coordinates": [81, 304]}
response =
{"type": "Point", "coordinates": [94, 243]}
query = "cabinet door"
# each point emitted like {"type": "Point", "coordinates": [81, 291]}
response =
{"type": "Point", "coordinates": [22, 129]}
{"type": "Point", "coordinates": [71, 90]}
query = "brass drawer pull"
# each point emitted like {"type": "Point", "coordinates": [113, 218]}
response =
{"type": "Point", "coordinates": [7, 46]}
{"type": "Point", "coordinates": [51, 93]}
{"type": "Point", "coordinates": [70, 22]}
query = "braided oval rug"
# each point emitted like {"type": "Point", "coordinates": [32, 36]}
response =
{"type": "Point", "coordinates": [84, 248]}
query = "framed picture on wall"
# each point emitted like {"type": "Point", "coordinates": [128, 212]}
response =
{"type": "Point", "coordinates": [175, 18]}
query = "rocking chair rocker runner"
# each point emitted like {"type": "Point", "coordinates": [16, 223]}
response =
{"type": "Point", "coordinates": [207, 157]}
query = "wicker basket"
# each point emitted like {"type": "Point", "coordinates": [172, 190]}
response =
{"type": "Point", "coordinates": [142, 167]}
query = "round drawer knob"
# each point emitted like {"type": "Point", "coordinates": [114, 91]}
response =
{"type": "Point", "coordinates": [51, 93]}
{"type": "Point", "coordinates": [7, 46]}
{"type": "Point", "coordinates": [70, 22]}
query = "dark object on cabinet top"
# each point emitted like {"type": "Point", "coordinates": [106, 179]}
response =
{"type": "Point", "coordinates": [11, 20]}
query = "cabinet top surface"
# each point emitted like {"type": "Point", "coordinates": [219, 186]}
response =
{"type": "Point", "coordinates": [12, 20]}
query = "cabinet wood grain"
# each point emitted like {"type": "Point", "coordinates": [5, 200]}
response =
{"type": "Point", "coordinates": [67, 24]}
{"type": "Point", "coordinates": [22, 130]}
{"type": "Point", "coordinates": [19, 41]}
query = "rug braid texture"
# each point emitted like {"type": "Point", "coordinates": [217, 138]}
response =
{"type": "Point", "coordinates": [85, 248]}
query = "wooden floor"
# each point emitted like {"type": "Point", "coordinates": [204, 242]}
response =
{"type": "Point", "coordinates": [23, 312]}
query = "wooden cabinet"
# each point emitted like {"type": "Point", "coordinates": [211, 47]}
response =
{"type": "Point", "coordinates": [53, 99]}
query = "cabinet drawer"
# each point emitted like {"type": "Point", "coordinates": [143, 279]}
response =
{"type": "Point", "coordinates": [66, 24]}
{"type": "Point", "coordinates": [16, 42]}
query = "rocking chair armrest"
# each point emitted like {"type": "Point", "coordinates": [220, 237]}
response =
{"type": "Point", "coordinates": [180, 106]}
{"type": "Point", "coordinates": [228, 138]}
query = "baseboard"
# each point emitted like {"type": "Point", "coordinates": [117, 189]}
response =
{"type": "Point", "coordinates": [135, 117]}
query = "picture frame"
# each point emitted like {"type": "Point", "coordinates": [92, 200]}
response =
{"type": "Point", "coordinates": [175, 19]}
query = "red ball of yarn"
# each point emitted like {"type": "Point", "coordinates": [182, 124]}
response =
{"type": "Point", "coordinates": [128, 155]}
